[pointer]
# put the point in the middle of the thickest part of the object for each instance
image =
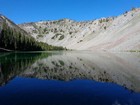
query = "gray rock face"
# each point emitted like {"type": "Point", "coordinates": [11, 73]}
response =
{"type": "Point", "coordinates": [113, 34]}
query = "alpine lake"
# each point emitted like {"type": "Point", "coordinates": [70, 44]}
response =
{"type": "Point", "coordinates": [70, 78]}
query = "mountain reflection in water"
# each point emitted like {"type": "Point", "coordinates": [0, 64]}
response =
{"type": "Point", "coordinates": [120, 68]}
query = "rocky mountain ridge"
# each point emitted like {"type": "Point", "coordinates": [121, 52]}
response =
{"type": "Point", "coordinates": [113, 33]}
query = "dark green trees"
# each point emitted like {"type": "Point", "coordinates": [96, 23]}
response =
{"type": "Point", "coordinates": [13, 39]}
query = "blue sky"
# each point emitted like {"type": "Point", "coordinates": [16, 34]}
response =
{"type": "Point", "coordinates": [21, 11]}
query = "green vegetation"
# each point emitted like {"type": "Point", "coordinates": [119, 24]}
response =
{"type": "Point", "coordinates": [19, 40]}
{"type": "Point", "coordinates": [81, 40]}
{"type": "Point", "coordinates": [40, 35]}
{"type": "Point", "coordinates": [61, 62]}
{"type": "Point", "coordinates": [34, 31]}
{"type": "Point", "coordinates": [45, 31]}
{"type": "Point", "coordinates": [125, 14]}
{"type": "Point", "coordinates": [104, 20]}
{"type": "Point", "coordinates": [61, 37]}
{"type": "Point", "coordinates": [133, 9]}
{"type": "Point", "coordinates": [134, 51]}
{"type": "Point", "coordinates": [105, 27]}
{"type": "Point", "coordinates": [56, 35]}
{"type": "Point", "coordinates": [70, 33]}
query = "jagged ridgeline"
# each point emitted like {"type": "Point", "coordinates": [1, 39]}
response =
{"type": "Point", "coordinates": [13, 37]}
{"type": "Point", "coordinates": [119, 33]}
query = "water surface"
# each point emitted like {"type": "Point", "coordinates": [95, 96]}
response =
{"type": "Point", "coordinates": [69, 78]}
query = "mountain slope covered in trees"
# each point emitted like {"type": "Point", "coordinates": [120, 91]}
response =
{"type": "Point", "coordinates": [12, 37]}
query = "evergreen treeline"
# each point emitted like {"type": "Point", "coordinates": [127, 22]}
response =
{"type": "Point", "coordinates": [10, 66]}
{"type": "Point", "coordinates": [12, 39]}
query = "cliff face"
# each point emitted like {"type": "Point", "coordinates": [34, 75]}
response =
{"type": "Point", "coordinates": [114, 33]}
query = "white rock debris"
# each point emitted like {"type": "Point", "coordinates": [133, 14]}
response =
{"type": "Point", "coordinates": [120, 33]}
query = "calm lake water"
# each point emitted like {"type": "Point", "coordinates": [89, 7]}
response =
{"type": "Point", "coordinates": [69, 78]}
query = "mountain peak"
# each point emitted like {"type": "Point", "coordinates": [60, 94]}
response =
{"type": "Point", "coordinates": [110, 33]}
